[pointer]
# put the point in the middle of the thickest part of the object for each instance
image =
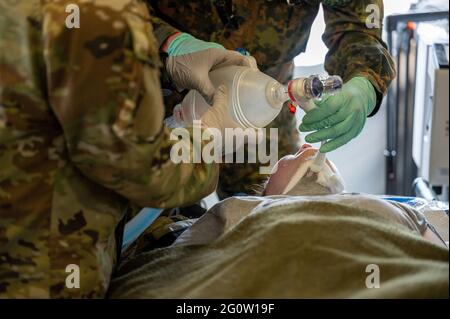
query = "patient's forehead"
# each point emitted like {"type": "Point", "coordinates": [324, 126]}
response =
{"type": "Point", "coordinates": [294, 170]}
{"type": "Point", "coordinates": [286, 168]}
{"type": "Point", "coordinates": [289, 164]}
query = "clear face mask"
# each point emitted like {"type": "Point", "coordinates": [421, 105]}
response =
{"type": "Point", "coordinates": [176, 120]}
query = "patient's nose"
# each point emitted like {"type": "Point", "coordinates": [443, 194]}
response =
{"type": "Point", "coordinates": [304, 147]}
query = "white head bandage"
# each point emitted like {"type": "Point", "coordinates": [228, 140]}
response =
{"type": "Point", "coordinates": [326, 177]}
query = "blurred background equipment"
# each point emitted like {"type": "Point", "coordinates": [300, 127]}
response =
{"type": "Point", "coordinates": [417, 104]}
{"type": "Point", "coordinates": [430, 139]}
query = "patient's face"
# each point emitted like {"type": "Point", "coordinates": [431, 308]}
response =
{"type": "Point", "coordinates": [287, 167]}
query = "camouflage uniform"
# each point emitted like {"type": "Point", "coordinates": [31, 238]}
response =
{"type": "Point", "coordinates": [81, 135]}
{"type": "Point", "coordinates": [274, 33]}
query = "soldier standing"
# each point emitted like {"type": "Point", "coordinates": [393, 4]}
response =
{"type": "Point", "coordinates": [81, 137]}
{"type": "Point", "coordinates": [274, 32]}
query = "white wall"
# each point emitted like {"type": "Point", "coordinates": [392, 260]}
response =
{"type": "Point", "coordinates": [361, 162]}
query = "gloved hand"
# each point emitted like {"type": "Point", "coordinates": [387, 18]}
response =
{"type": "Point", "coordinates": [217, 116]}
{"type": "Point", "coordinates": [190, 61]}
{"type": "Point", "coordinates": [340, 118]}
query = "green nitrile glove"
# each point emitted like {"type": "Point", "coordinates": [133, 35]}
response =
{"type": "Point", "coordinates": [187, 44]}
{"type": "Point", "coordinates": [340, 118]}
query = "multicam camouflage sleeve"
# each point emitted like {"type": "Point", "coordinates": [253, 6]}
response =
{"type": "Point", "coordinates": [162, 29]}
{"type": "Point", "coordinates": [106, 94]}
{"type": "Point", "coordinates": [81, 136]}
{"type": "Point", "coordinates": [353, 36]}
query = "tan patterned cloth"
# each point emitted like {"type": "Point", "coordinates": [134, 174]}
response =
{"type": "Point", "coordinates": [297, 247]}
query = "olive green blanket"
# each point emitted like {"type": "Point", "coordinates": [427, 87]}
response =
{"type": "Point", "coordinates": [307, 250]}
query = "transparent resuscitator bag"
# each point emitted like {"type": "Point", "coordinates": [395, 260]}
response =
{"type": "Point", "coordinates": [254, 98]}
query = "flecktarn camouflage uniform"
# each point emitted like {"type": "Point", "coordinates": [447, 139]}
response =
{"type": "Point", "coordinates": [274, 33]}
{"type": "Point", "coordinates": [81, 136]}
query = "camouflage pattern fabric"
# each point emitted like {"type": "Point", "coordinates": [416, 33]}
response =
{"type": "Point", "coordinates": [81, 136]}
{"type": "Point", "coordinates": [274, 33]}
{"type": "Point", "coordinates": [161, 233]}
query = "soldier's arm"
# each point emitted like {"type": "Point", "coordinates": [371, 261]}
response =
{"type": "Point", "coordinates": [103, 84]}
{"type": "Point", "coordinates": [161, 29]}
{"type": "Point", "coordinates": [355, 49]}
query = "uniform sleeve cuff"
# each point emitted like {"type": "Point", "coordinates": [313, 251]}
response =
{"type": "Point", "coordinates": [162, 33]}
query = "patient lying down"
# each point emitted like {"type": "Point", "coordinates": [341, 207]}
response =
{"type": "Point", "coordinates": [303, 238]}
